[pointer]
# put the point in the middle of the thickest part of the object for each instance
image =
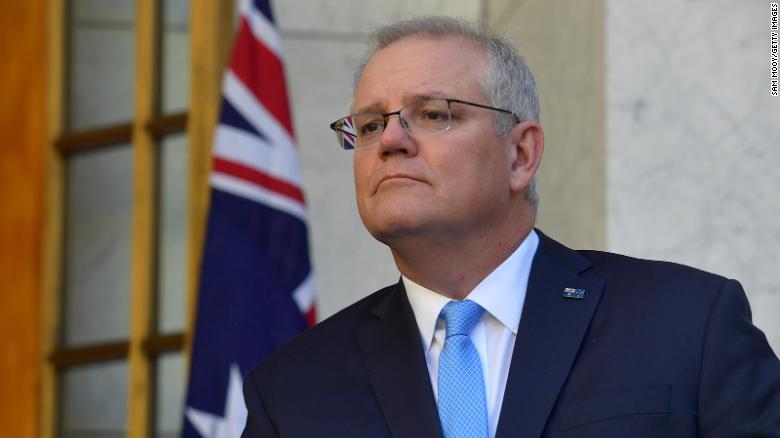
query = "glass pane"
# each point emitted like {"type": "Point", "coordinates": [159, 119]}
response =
{"type": "Point", "coordinates": [101, 63]}
{"type": "Point", "coordinates": [175, 63]}
{"type": "Point", "coordinates": [169, 395]}
{"type": "Point", "coordinates": [97, 245]}
{"type": "Point", "coordinates": [86, 10]}
{"type": "Point", "coordinates": [172, 246]}
{"type": "Point", "coordinates": [94, 401]}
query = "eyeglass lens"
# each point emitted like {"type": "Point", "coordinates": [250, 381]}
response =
{"type": "Point", "coordinates": [418, 119]}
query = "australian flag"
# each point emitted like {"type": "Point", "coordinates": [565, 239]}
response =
{"type": "Point", "coordinates": [256, 288]}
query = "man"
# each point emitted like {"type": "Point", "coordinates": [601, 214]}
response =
{"type": "Point", "coordinates": [496, 330]}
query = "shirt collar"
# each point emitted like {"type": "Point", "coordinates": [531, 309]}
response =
{"type": "Point", "coordinates": [501, 293]}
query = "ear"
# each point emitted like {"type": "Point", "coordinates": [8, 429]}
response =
{"type": "Point", "coordinates": [527, 145]}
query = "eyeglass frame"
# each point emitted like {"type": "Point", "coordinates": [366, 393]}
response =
{"type": "Point", "coordinates": [386, 117]}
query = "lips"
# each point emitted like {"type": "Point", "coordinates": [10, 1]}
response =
{"type": "Point", "coordinates": [397, 176]}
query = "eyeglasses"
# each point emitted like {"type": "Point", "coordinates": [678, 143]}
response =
{"type": "Point", "coordinates": [419, 119]}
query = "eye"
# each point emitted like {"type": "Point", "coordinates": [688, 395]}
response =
{"type": "Point", "coordinates": [431, 113]}
{"type": "Point", "coordinates": [371, 128]}
{"type": "Point", "coordinates": [434, 116]}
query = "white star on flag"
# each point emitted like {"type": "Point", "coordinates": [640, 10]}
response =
{"type": "Point", "coordinates": [209, 425]}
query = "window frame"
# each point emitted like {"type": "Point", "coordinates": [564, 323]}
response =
{"type": "Point", "coordinates": [210, 37]}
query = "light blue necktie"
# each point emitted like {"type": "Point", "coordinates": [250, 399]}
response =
{"type": "Point", "coordinates": [462, 406]}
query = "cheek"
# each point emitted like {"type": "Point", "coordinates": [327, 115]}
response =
{"type": "Point", "coordinates": [362, 177]}
{"type": "Point", "coordinates": [480, 173]}
{"type": "Point", "coordinates": [472, 158]}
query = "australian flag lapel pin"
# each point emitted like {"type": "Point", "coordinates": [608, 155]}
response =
{"type": "Point", "coordinates": [576, 294]}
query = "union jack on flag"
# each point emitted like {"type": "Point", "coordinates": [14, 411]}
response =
{"type": "Point", "coordinates": [256, 287]}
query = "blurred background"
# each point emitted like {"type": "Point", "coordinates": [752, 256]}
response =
{"type": "Point", "coordinates": [662, 143]}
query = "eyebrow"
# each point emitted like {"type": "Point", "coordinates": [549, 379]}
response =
{"type": "Point", "coordinates": [379, 109]}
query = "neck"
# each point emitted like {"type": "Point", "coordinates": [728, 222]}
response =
{"type": "Point", "coordinates": [454, 266]}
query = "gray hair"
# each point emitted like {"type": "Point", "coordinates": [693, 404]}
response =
{"type": "Point", "coordinates": [508, 82]}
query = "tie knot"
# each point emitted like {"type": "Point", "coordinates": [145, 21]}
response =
{"type": "Point", "coordinates": [460, 317]}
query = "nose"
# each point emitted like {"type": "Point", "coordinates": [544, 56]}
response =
{"type": "Point", "coordinates": [395, 139]}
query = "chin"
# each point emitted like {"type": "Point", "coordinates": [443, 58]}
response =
{"type": "Point", "coordinates": [389, 228]}
{"type": "Point", "coordinates": [396, 215]}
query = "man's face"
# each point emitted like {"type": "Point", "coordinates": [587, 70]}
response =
{"type": "Point", "coordinates": [453, 183]}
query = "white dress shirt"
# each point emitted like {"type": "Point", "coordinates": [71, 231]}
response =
{"type": "Point", "coordinates": [501, 294]}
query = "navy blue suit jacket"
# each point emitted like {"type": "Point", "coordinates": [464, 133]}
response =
{"type": "Point", "coordinates": [653, 349]}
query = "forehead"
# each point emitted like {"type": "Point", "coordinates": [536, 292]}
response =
{"type": "Point", "coordinates": [413, 67]}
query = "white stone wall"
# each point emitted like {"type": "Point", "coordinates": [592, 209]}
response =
{"type": "Point", "coordinates": [693, 141]}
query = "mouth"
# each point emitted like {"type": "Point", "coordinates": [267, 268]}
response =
{"type": "Point", "coordinates": [396, 177]}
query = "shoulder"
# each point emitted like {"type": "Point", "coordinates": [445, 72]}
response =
{"type": "Point", "coordinates": [634, 276]}
{"type": "Point", "coordinates": [617, 266]}
{"type": "Point", "coordinates": [659, 286]}
{"type": "Point", "coordinates": [329, 342]}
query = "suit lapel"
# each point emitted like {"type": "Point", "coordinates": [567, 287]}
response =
{"type": "Point", "coordinates": [548, 338]}
{"type": "Point", "coordinates": [391, 345]}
